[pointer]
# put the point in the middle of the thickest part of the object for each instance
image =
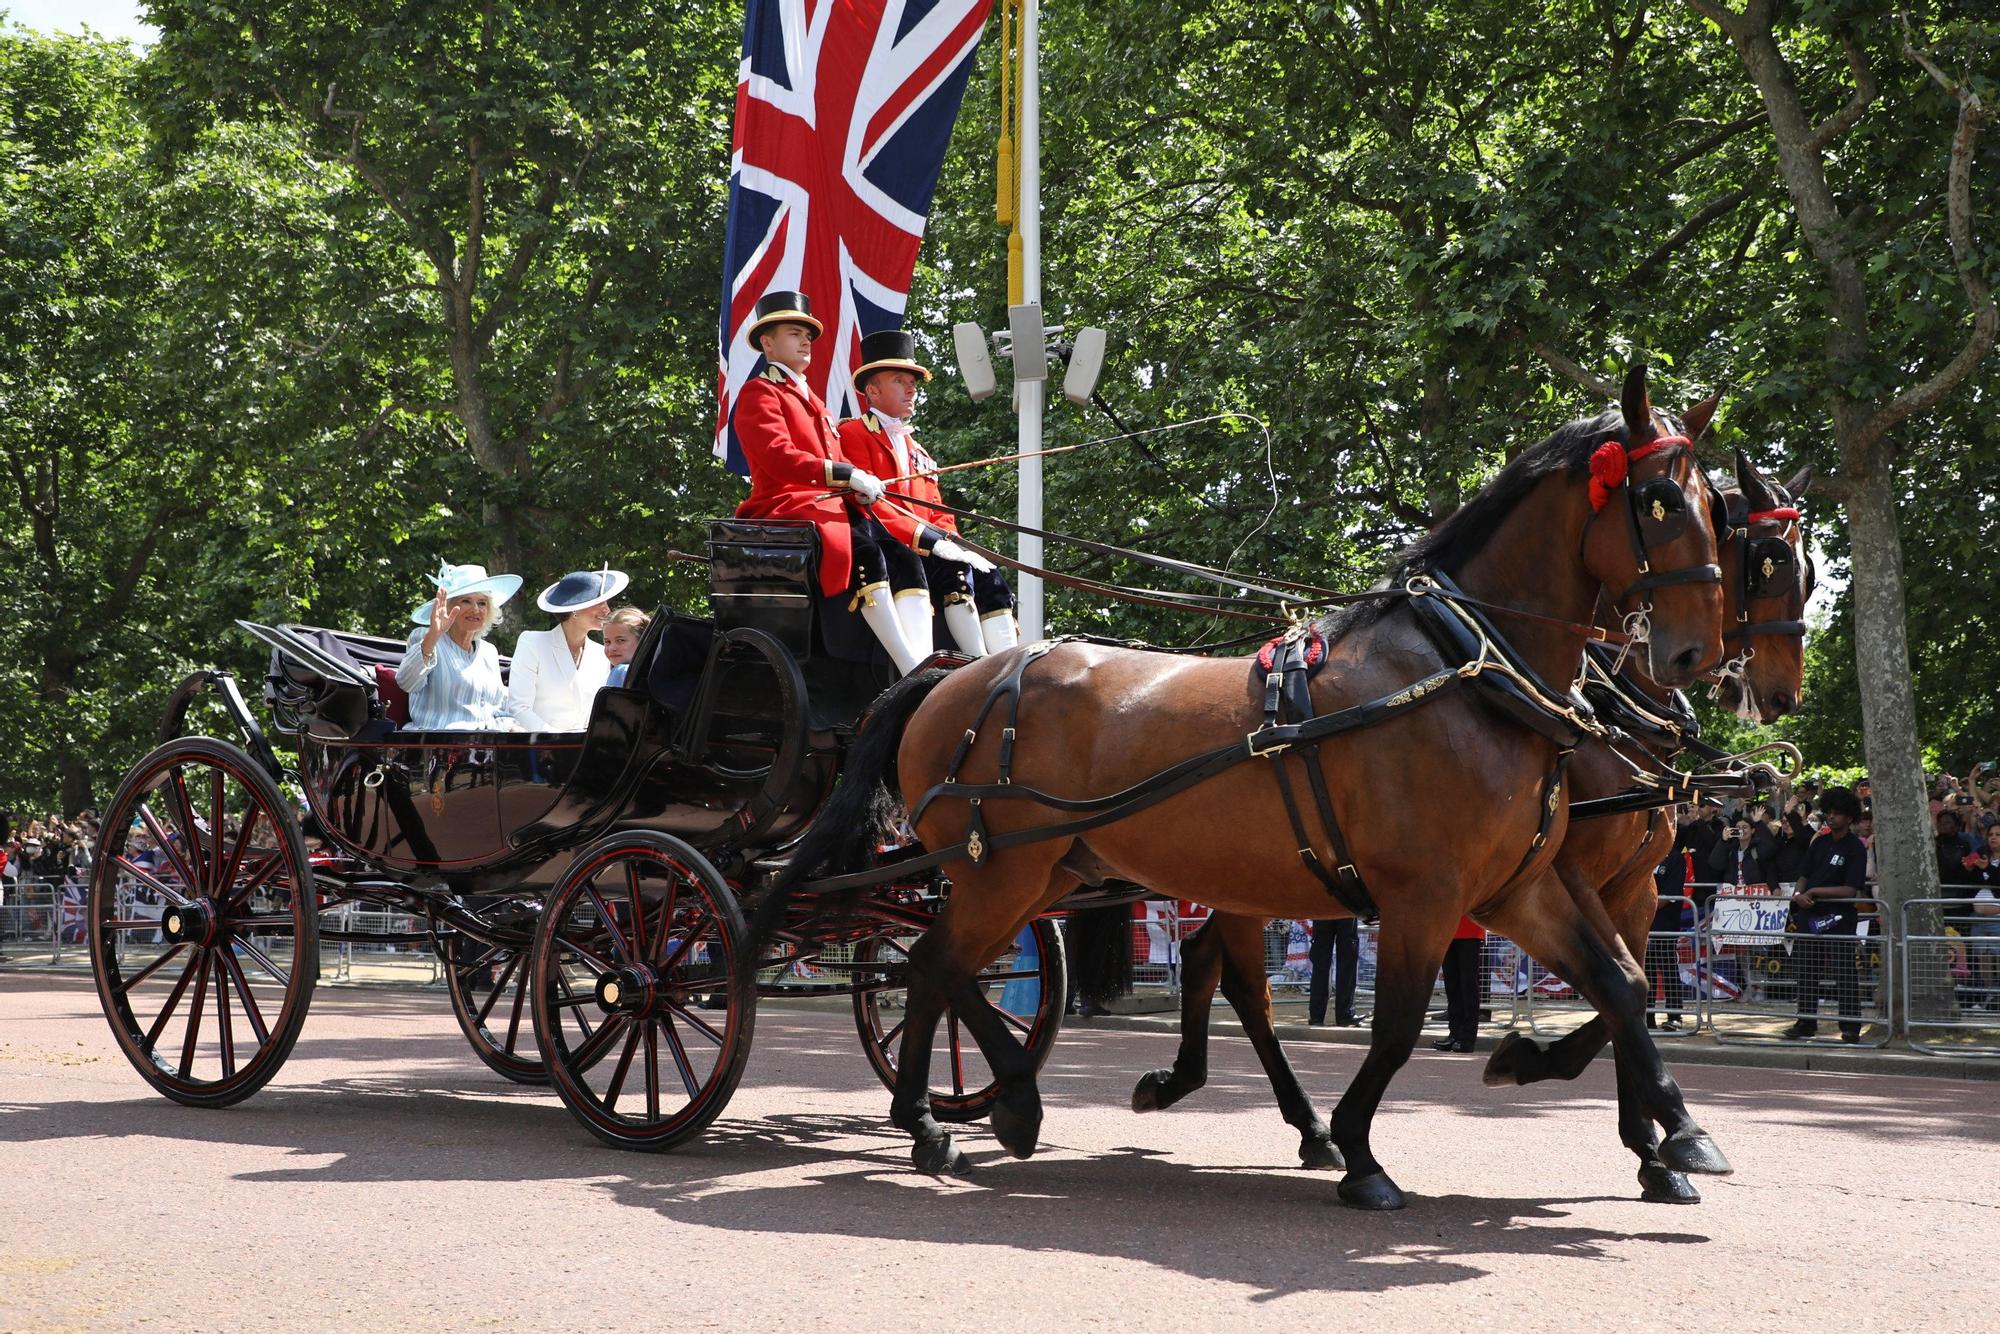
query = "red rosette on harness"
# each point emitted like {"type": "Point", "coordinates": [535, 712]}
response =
{"type": "Point", "coordinates": [1267, 657]}
{"type": "Point", "coordinates": [1609, 464]}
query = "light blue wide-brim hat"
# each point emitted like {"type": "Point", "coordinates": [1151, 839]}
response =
{"type": "Point", "coordinates": [459, 581]}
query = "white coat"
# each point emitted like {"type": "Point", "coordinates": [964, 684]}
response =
{"type": "Point", "coordinates": [554, 690]}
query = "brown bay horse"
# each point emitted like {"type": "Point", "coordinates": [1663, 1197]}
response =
{"type": "Point", "coordinates": [1537, 546]}
{"type": "Point", "coordinates": [1765, 593]}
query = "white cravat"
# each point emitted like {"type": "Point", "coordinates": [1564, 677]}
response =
{"type": "Point", "coordinates": [898, 432]}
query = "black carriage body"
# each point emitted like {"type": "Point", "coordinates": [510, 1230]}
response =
{"type": "Point", "coordinates": [730, 738]}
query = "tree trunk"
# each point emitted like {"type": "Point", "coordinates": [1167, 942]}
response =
{"type": "Point", "coordinates": [1905, 865]}
{"type": "Point", "coordinates": [506, 463]}
{"type": "Point", "coordinates": [59, 669]}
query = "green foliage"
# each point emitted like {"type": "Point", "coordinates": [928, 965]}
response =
{"type": "Point", "coordinates": [239, 348]}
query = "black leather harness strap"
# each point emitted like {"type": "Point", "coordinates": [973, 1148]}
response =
{"type": "Point", "coordinates": [1287, 691]}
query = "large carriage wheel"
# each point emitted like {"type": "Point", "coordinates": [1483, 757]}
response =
{"type": "Point", "coordinates": [644, 991]}
{"type": "Point", "coordinates": [1029, 993]}
{"type": "Point", "coordinates": [490, 984]}
{"type": "Point", "coordinates": [204, 929]}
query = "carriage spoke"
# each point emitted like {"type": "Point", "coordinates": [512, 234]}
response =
{"type": "Point", "coordinates": [618, 942]}
{"type": "Point", "coordinates": [486, 1007]}
{"type": "Point", "coordinates": [194, 1016]}
{"type": "Point", "coordinates": [593, 1049]}
{"type": "Point", "coordinates": [249, 946]}
{"type": "Point", "coordinates": [618, 1076]}
{"type": "Point", "coordinates": [132, 923]}
{"type": "Point", "coordinates": [680, 1057]}
{"type": "Point", "coordinates": [1007, 977]}
{"type": "Point", "coordinates": [520, 998]}
{"type": "Point", "coordinates": [215, 826]}
{"type": "Point", "coordinates": [268, 921]}
{"type": "Point", "coordinates": [667, 907]}
{"type": "Point", "coordinates": [570, 998]}
{"type": "Point", "coordinates": [183, 806]}
{"type": "Point", "coordinates": [639, 951]}
{"type": "Point", "coordinates": [1014, 1019]}
{"type": "Point", "coordinates": [223, 1020]}
{"type": "Point", "coordinates": [167, 849]}
{"type": "Point", "coordinates": [256, 881]}
{"type": "Point", "coordinates": [694, 934]}
{"type": "Point", "coordinates": [700, 1025]}
{"type": "Point", "coordinates": [152, 967]}
{"type": "Point", "coordinates": [957, 1058]}
{"type": "Point", "coordinates": [173, 999]}
{"type": "Point", "coordinates": [152, 882]}
{"type": "Point", "coordinates": [235, 865]}
{"type": "Point", "coordinates": [652, 1073]}
{"type": "Point", "coordinates": [250, 1010]}
{"type": "Point", "coordinates": [889, 1038]}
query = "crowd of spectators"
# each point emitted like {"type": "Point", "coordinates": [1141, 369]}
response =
{"type": "Point", "coordinates": [45, 850]}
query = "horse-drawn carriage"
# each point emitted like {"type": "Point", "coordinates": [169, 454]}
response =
{"type": "Point", "coordinates": [585, 893]}
{"type": "Point", "coordinates": [593, 887]}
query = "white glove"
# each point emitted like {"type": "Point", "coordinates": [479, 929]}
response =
{"type": "Point", "coordinates": [946, 549]}
{"type": "Point", "coordinates": [865, 485]}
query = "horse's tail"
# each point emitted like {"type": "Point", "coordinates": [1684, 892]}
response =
{"type": "Point", "coordinates": [844, 832]}
{"type": "Point", "coordinates": [1101, 952]}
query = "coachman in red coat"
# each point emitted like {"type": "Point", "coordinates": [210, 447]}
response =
{"type": "Point", "coordinates": [798, 471]}
{"type": "Point", "coordinates": [965, 589]}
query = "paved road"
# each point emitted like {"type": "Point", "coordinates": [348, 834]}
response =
{"type": "Point", "coordinates": [385, 1180]}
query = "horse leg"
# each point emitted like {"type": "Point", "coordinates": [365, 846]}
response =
{"type": "Point", "coordinates": [1406, 969]}
{"type": "Point", "coordinates": [1573, 937]}
{"type": "Point", "coordinates": [1201, 971]}
{"type": "Point", "coordinates": [1248, 991]}
{"type": "Point", "coordinates": [944, 964]}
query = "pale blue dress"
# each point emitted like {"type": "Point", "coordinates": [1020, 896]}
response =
{"type": "Point", "coordinates": [458, 690]}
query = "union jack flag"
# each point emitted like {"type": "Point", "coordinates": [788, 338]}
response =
{"type": "Point", "coordinates": [843, 112]}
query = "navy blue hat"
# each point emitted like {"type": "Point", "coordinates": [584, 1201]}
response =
{"type": "Point", "coordinates": [583, 588]}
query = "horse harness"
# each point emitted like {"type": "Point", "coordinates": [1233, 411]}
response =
{"type": "Point", "coordinates": [1655, 514]}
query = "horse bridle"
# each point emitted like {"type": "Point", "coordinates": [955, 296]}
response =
{"type": "Point", "coordinates": [1762, 563]}
{"type": "Point", "coordinates": [1655, 514]}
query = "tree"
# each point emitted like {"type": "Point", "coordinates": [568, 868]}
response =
{"type": "Point", "coordinates": [139, 421]}
{"type": "Point", "coordinates": [553, 175]}
{"type": "Point", "coordinates": [1855, 177]}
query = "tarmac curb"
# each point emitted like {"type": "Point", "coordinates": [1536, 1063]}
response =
{"type": "Point", "coordinates": [1693, 1050]}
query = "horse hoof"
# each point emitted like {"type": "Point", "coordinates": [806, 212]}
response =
{"type": "Point", "coordinates": [1018, 1128]}
{"type": "Point", "coordinates": [1374, 1191]}
{"type": "Point", "coordinates": [1517, 1060]}
{"type": "Point", "coordinates": [1152, 1093]}
{"type": "Point", "coordinates": [1318, 1153]}
{"type": "Point", "coordinates": [1663, 1185]}
{"type": "Point", "coordinates": [939, 1157]}
{"type": "Point", "coordinates": [1694, 1151]}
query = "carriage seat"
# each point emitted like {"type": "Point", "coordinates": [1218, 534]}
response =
{"type": "Point", "coordinates": [394, 699]}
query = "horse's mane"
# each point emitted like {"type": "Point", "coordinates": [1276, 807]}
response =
{"type": "Point", "coordinates": [1465, 532]}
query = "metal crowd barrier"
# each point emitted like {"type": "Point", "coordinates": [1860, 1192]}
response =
{"type": "Point", "coordinates": [1550, 1006]}
{"type": "Point", "coordinates": [31, 925]}
{"type": "Point", "coordinates": [1951, 976]}
{"type": "Point", "coordinates": [377, 963]}
{"type": "Point", "coordinates": [1757, 964]}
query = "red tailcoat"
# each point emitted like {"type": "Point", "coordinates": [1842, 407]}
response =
{"type": "Point", "coordinates": [790, 444]}
{"type": "Point", "coordinates": [865, 444]}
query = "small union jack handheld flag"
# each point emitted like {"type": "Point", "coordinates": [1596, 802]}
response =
{"type": "Point", "coordinates": [843, 112]}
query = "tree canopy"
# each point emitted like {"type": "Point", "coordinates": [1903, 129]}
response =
{"type": "Point", "coordinates": [307, 297]}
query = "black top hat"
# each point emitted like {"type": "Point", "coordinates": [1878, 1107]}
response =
{"type": "Point", "coordinates": [781, 308]}
{"type": "Point", "coordinates": [889, 350]}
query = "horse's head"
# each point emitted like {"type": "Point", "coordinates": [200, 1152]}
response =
{"type": "Point", "coordinates": [1767, 576]}
{"type": "Point", "coordinates": [1652, 540]}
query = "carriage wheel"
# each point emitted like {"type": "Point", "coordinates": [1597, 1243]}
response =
{"type": "Point", "coordinates": [204, 928]}
{"type": "Point", "coordinates": [1029, 993]}
{"type": "Point", "coordinates": [644, 995]}
{"type": "Point", "coordinates": [490, 985]}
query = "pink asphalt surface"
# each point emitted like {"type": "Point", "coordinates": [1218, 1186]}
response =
{"type": "Point", "coordinates": [386, 1180]}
